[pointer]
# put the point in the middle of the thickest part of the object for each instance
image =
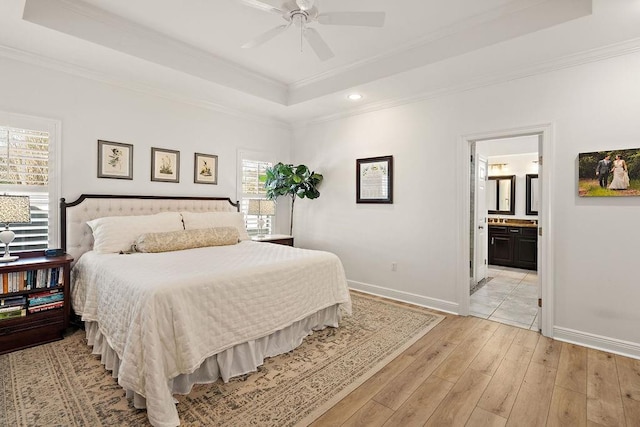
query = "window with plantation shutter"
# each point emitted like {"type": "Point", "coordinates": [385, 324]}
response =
{"type": "Point", "coordinates": [253, 180]}
{"type": "Point", "coordinates": [26, 169]}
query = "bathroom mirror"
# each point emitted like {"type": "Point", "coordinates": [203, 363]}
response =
{"type": "Point", "coordinates": [533, 198]}
{"type": "Point", "coordinates": [501, 195]}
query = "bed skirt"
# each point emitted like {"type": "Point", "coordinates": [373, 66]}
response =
{"type": "Point", "coordinates": [237, 360]}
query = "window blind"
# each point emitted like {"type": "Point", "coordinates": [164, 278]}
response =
{"type": "Point", "coordinates": [24, 170]}
{"type": "Point", "coordinates": [253, 180]}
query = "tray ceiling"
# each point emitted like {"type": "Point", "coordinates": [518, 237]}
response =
{"type": "Point", "coordinates": [192, 48]}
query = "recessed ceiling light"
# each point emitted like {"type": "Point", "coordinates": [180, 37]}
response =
{"type": "Point", "coordinates": [355, 96]}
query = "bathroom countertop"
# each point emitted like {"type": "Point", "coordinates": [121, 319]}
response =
{"type": "Point", "coordinates": [515, 223]}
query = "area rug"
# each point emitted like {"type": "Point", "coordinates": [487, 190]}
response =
{"type": "Point", "coordinates": [62, 384]}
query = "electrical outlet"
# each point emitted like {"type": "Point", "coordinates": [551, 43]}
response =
{"type": "Point", "coordinates": [394, 266]}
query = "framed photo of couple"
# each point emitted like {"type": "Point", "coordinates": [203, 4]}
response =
{"type": "Point", "coordinates": [610, 173]}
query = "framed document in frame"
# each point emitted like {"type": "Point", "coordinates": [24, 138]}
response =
{"type": "Point", "coordinates": [374, 180]}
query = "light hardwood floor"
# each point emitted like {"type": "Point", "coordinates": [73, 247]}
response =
{"type": "Point", "coordinates": [475, 372]}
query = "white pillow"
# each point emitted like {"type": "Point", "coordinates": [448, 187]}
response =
{"type": "Point", "coordinates": [197, 220]}
{"type": "Point", "coordinates": [113, 234]}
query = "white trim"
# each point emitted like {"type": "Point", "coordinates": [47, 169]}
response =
{"type": "Point", "coordinates": [463, 209]}
{"type": "Point", "coordinates": [422, 301]}
{"type": "Point", "coordinates": [593, 55]}
{"type": "Point", "coordinates": [546, 261]}
{"type": "Point", "coordinates": [54, 128]}
{"type": "Point", "coordinates": [136, 86]}
{"type": "Point", "coordinates": [598, 342]}
{"type": "Point", "coordinates": [85, 21]}
{"type": "Point", "coordinates": [56, 191]}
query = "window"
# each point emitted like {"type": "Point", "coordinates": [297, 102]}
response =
{"type": "Point", "coordinates": [27, 167]}
{"type": "Point", "coordinates": [253, 178]}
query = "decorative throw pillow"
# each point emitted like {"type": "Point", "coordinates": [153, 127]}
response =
{"type": "Point", "coordinates": [199, 220]}
{"type": "Point", "coordinates": [113, 234]}
{"type": "Point", "coordinates": [186, 239]}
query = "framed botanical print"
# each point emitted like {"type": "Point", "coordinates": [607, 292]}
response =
{"type": "Point", "coordinates": [205, 168]}
{"type": "Point", "coordinates": [165, 165]}
{"type": "Point", "coordinates": [115, 160]}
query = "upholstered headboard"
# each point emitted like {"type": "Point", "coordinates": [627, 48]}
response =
{"type": "Point", "coordinates": [76, 236]}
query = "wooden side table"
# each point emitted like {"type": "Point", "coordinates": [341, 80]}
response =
{"type": "Point", "coordinates": [32, 274]}
{"type": "Point", "coordinates": [278, 239]}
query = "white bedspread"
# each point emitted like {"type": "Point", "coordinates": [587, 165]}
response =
{"type": "Point", "coordinates": [165, 313]}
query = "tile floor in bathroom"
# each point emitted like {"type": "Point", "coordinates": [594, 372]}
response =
{"type": "Point", "coordinates": [510, 297]}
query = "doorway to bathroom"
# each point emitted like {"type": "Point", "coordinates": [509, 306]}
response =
{"type": "Point", "coordinates": [469, 223]}
{"type": "Point", "coordinates": [505, 203]}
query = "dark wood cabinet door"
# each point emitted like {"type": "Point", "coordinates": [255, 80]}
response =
{"type": "Point", "coordinates": [501, 250]}
{"type": "Point", "coordinates": [527, 252]}
{"type": "Point", "coordinates": [512, 246]}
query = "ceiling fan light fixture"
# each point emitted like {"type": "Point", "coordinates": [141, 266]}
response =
{"type": "Point", "coordinates": [305, 4]}
{"type": "Point", "coordinates": [299, 19]}
{"type": "Point", "coordinates": [354, 96]}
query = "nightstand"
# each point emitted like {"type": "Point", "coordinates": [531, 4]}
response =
{"type": "Point", "coordinates": [29, 284]}
{"type": "Point", "coordinates": [278, 239]}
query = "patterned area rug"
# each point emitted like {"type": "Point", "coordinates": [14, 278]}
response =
{"type": "Point", "coordinates": [62, 384]}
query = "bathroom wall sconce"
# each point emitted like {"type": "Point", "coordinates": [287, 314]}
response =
{"type": "Point", "coordinates": [498, 167]}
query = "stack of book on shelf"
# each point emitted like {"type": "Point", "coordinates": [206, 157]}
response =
{"type": "Point", "coordinates": [46, 300]}
{"type": "Point", "coordinates": [11, 307]}
{"type": "Point", "coordinates": [31, 279]}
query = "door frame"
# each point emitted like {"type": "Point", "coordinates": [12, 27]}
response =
{"type": "Point", "coordinates": [476, 226]}
{"type": "Point", "coordinates": [545, 219]}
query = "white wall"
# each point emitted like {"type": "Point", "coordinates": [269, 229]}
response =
{"type": "Point", "coordinates": [90, 110]}
{"type": "Point", "coordinates": [592, 107]}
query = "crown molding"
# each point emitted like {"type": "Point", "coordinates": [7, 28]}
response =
{"type": "Point", "coordinates": [574, 60]}
{"type": "Point", "coordinates": [97, 14]}
{"type": "Point", "coordinates": [594, 55]}
{"type": "Point", "coordinates": [90, 23]}
{"type": "Point", "coordinates": [80, 71]}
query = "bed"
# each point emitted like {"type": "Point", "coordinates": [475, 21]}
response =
{"type": "Point", "coordinates": [167, 320]}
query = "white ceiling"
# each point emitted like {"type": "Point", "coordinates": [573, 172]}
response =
{"type": "Point", "coordinates": [220, 27]}
{"type": "Point", "coordinates": [190, 50]}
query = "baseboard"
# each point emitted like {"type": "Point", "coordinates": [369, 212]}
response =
{"type": "Point", "coordinates": [611, 345]}
{"type": "Point", "coordinates": [433, 303]}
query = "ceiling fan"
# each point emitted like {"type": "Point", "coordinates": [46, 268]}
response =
{"type": "Point", "coordinates": [303, 12]}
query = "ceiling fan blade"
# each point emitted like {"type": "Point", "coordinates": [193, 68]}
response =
{"type": "Point", "coordinates": [361, 19]}
{"type": "Point", "coordinates": [266, 36]}
{"type": "Point", "coordinates": [318, 44]}
{"type": "Point", "coordinates": [273, 6]}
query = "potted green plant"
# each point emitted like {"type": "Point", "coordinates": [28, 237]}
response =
{"type": "Point", "coordinates": [288, 180]}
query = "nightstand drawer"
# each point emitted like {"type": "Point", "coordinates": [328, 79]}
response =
{"type": "Point", "coordinates": [278, 239]}
{"type": "Point", "coordinates": [287, 241]}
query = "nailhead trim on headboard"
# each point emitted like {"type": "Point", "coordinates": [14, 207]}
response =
{"type": "Point", "coordinates": [76, 236]}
